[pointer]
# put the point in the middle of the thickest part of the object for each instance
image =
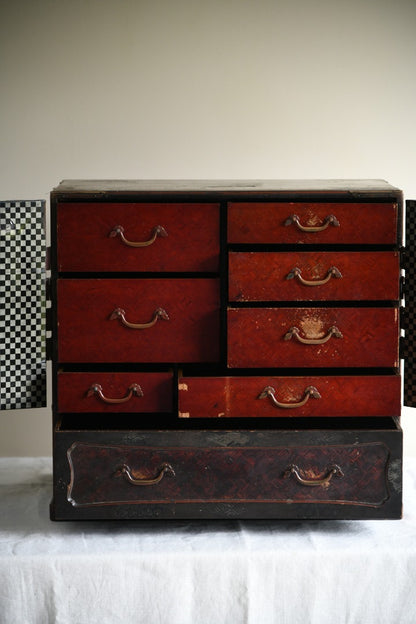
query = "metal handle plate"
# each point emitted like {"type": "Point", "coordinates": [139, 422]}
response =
{"type": "Point", "coordinates": [97, 390]}
{"type": "Point", "coordinates": [126, 471]}
{"type": "Point", "coordinates": [294, 332]}
{"type": "Point", "coordinates": [158, 230]}
{"type": "Point", "coordinates": [329, 220]}
{"type": "Point", "coordinates": [297, 273]}
{"type": "Point", "coordinates": [310, 393]}
{"type": "Point", "coordinates": [120, 314]}
{"type": "Point", "coordinates": [323, 481]}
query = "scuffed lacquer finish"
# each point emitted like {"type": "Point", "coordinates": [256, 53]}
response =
{"type": "Point", "coordinates": [73, 392]}
{"type": "Point", "coordinates": [89, 334]}
{"type": "Point", "coordinates": [256, 337]}
{"type": "Point", "coordinates": [359, 223]}
{"type": "Point", "coordinates": [267, 276]}
{"type": "Point", "coordinates": [340, 396]}
{"type": "Point", "coordinates": [85, 244]}
{"type": "Point", "coordinates": [226, 475]}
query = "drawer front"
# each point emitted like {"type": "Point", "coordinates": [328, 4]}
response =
{"type": "Point", "coordinates": [280, 397]}
{"type": "Point", "coordinates": [114, 392]}
{"type": "Point", "coordinates": [180, 319]}
{"type": "Point", "coordinates": [88, 239]}
{"type": "Point", "coordinates": [336, 223]}
{"type": "Point", "coordinates": [344, 337]}
{"type": "Point", "coordinates": [117, 475]}
{"type": "Point", "coordinates": [313, 276]}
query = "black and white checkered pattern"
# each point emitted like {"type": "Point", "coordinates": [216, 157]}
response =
{"type": "Point", "coordinates": [22, 304]}
{"type": "Point", "coordinates": [410, 314]}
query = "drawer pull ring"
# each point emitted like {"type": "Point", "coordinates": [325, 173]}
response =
{"type": "Point", "coordinates": [97, 390]}
{"type": "Point", "coordinates": [118, 230]}
{"type": "Point", "coordinates": [331, 471]}
{"type": "Point", "coordinates": [329, 220]}
{"type": "Point", "coordinates": [294, 332]}
{"type": "Point", "coordinates": [296, 272]}
{"type": "Point", "coordinates": [310, 393]}
{"type": "Point", "coordinates": [119, 313]}
{"type": "Point", "coordinates": [165, 469]}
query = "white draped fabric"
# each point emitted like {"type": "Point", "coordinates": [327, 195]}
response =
{"type": "Point", "coordinates": [218, 572]}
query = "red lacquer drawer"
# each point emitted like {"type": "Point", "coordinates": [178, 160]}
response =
{"type": "Point", "coordinates": [106, 475]}
{"type": "Point", "coordinates": [114, 392]}
{"type": "Point", "coordinates": [337, 223]}
{"type": "Point", "coordinates": [88, 238]}
{"type": "Point", "coordinates": [313, 276]}
{"type": "Point", "coordinates": [267, 397]}
{"type": "Point", "coordinates": [180, 319]}
{"type": "Point", "coordinates": [273, 337]}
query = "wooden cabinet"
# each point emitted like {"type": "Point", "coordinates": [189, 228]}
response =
{"type": "Point", "coordinates": [228, 350]}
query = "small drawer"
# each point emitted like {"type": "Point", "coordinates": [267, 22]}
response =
{"type": "Point", "coordinates": [282, 397]}
{"type": "Point", "coordinates": [114, 392]}
{"type": "Point", "coordinates": [138, 320]}
{"type": "Point", "coordinates": [247, 473]}
{"type": "Point", "coordinates": [320, 337]}
{"type": "Point", "coordinates": [137, 237]}
{"type": "Point", "coordinates": [313, 276]}
{"type": "Point", "coordinates": [313, 222]}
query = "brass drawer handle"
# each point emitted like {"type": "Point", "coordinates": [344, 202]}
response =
{"type": "Point", "coordinates": [310, 393]}
{"type": "Point", "coordinates": [329, 220]}
{"type": "Point", "coordinates": [331, 471]}
{"type": "Point", "coordinates": [97, 390]}
{"type": "Point", "coordinates": [120, 314]}
{"type": "Point", "coordinates": [118, 230]}
{"type": "Point", "coordinates": [294, 332]}
{"type": "Point", "coordinates": [296, 272]}
{"type": "Point", "coordinates": [165, 469]}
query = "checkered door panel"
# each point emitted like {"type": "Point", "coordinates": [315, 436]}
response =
{"type": "Point", "coordinates": [410, 310]}
{"type": "Point", "coordinates": [22, 304]}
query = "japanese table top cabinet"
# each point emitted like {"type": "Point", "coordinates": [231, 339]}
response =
{"type": "Point", "coordinates": [229, 349]}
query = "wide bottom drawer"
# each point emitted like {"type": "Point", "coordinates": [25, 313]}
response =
{"type": "Point", "coordinates": [317, 473]}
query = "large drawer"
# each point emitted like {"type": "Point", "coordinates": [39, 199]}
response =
{"type": "Point", "coordinates": [89, 237]}
{"type": "Point", "coordinates": [103, 392]}
{"type": "Point", "coordinates": [174, 320]}
{"type": "Point", "coordinates": [281, 397]}
{"type": "Point", "coordinates": [274, 473]}
{"type": "Point", "coordinates": [312, 222]}
{"type": "Point", "coordinates": [335, 337]}
{"type": "Point", "coordinates": [313, 276]}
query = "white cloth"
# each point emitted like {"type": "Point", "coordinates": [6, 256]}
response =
{"type": "Point", "coordinates": [264, 572]}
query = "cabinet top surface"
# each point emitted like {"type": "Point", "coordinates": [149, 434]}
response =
{"type": "Point", "coordinates": [235, 187]}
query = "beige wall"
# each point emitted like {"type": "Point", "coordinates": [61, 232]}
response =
{"type": "Point", "coordinates": [199, 89]}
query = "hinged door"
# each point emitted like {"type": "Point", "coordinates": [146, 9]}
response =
{"type": "Point", "coordinates": [22, 304]}
{"type": "Point", "coordinates": [409, 316]}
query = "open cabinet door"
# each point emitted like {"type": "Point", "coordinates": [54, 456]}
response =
{"type": "Point", "coordinates": [22, 304]}
{"type": "Point", "coordinates": [409, 351]}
